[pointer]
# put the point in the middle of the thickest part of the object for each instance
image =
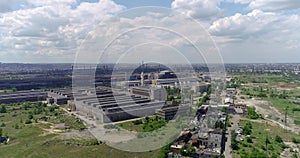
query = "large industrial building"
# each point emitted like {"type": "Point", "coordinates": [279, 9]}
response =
{"type": "Point", "coordinates": [169, 112]}
{"type": "Point", "coordinates": [111, 106]}
{"type": "Point", "coordinates": [153, 93]}
{"type": "Point", "coordinates": [55, 96]}
{"type": "Point", "coordinates": [59, 96]}
{"type": "Point", "coordinates": [23, 96]}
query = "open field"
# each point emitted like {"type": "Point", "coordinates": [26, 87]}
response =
{"type": "Point", "coordinates": [271, 79]}
{"type": "Point", "coordinates": [281, 92]}
{"type": "Point", "coordinates": [6, 91]}
{"type": "Point", "coordinates": [272, 96]}
{"type": "Point", "coordinates": [260, 133]}
{"type": "Point", "coordinates": [37, 139]}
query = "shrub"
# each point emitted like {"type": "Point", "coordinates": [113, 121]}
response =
{"type": "Point", "coordinates": [278, 139]}
{"type": "Point", "coordinates": [3, 109]}
{"type": "Point", "coordinates": [28, 121]}
{"type": "Point", "coordinates": [16, 126]}
{"type": "Point", "coordinates": [110, 126]}
{"type": "Point", "coordinates": [30, 116]}
{"type": "Point", "coordinates": [3, 124]}
{"type": "Point", "coordinates": [234, 143]}
{"type": "Point", "coordinates": [140, 135]}
{"type": "Point", "coordinates": [249, 140]}
{"type": "Point", "coordinates": [270, 147]}
{"type": "Point", "coordinates": [247, 129]}
{"type": "Point", "coordinates": [252, 113]}
{"type": "Point", "coordinates": [294, 140]}
{"type": "Point", "coordinates": [137, 122]}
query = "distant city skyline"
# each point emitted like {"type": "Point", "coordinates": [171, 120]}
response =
{"type": "Point", "coordinates": [245, 31]}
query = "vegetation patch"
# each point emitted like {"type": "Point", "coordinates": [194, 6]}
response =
{"type": "Point", "coordinates": [146, 124]}
{"type": "Point", "coordinates": [28, 140]}
{"type": "Point", "coordinates": [252, 114]}
{"type": "Point", "coordinates": [261, 140]}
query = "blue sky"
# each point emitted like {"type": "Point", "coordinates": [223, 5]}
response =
{"type": "Point", "coordinates": [46, 31]}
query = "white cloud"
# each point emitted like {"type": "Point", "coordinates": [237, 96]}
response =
{"type": "Point", "coordinates": [239, 1]}
{"type": "Point", "coordinates": [12, 5]}
{"type": "Point", "coordinates": [268, 5]}
{"type": "Point", "coordinates": [258, 36]}
{"type": "Point", "coordinates": [52, 27]}
{"type": "Point", "coordinates": [274, 5]}
{"type": "Point", "coordinates": [50, 2]}
{"type": "Point", "coordinates": [200, 9]}
{"type": "Point", "coordinates": [244, 26]}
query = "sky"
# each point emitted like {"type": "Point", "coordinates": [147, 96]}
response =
{"type": "Point", "coordinates": [241, 31]}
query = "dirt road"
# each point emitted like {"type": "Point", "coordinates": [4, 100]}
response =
{"type": "Point", "coordinates": [235, 119]}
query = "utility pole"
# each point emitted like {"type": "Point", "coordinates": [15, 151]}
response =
{"type": "Point", "coordinates": [285, 118]}
{"type": "Point", "coordinates": [267, 141]}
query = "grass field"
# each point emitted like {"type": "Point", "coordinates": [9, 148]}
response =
{"type": "Point", "coordinates": [29, 140]}
{"type": "Point", "coordinates": [260, 132]}
{"type": "Point", "coordinates": [6, 91]}
{"type": "Point", "coordinates": [255, 78]}
{"type": "Point", "coordinates": [278, 90]}
{"type": "Point", "coordinates": [147, 124]}
{"type": "Point", "coordinates": [130, 126]}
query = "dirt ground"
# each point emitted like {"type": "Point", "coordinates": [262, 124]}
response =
{"type": "Point", "coordinates": [272, 115]}
{"type": "Point", "coordinates": [289, 152]}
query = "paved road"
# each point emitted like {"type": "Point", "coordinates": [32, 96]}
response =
{"type": "Point", "coordinates": [235, 119]}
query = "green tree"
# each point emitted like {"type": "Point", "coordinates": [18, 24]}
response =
{"type": "Point", "coordinates": [278, 139]}
{"type": "Point", "coordinates": [296, 141]}
{"type": "Point", "coordinates": [188, 150]}
{"type": "Point", "coordinates": [252, 113]}
{"type": "Point", "coordinates": [28, 121]}
{"type": "Point", "coordinates": [137, 122]}
{"type": "Point", "coordinates": [3, 109]}
{"type": "Point", "coordinates": [234, 142]}
{"type": "Point", "coordinates": [164, 151]}
{"type": "Point", "coordinates": [247, 130]}
{"type": "Point", "coordinates": [249, 140]}
{"type": "Point", "coordinates": [3, 124]}
{"type": "Point", "coordinates": [52, 108]}
{"type": "Point", "coordinates": [219, 124]}
{"type": "Point", "coordinates": [25, 106]}
{"type": "Point", "coordinates": [16, 126]}
{"type": "Point", "coordinates": [30, 116]}
{"type": "Point", "coordinates": [14, 89]}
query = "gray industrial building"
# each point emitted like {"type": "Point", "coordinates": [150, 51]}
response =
{"type": "Point", "coordinates": [152, 93]}
{"type": "Point", "coordinates": [111, 106]}
{"type": "Point", "coordinates": [57, 99]}
{"type": "Point", "coordinates": [169, 112]}
{"type": "Point", "coordinates": [23, 96]}
{"type": "Point", "coordinates": [59, 96]}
